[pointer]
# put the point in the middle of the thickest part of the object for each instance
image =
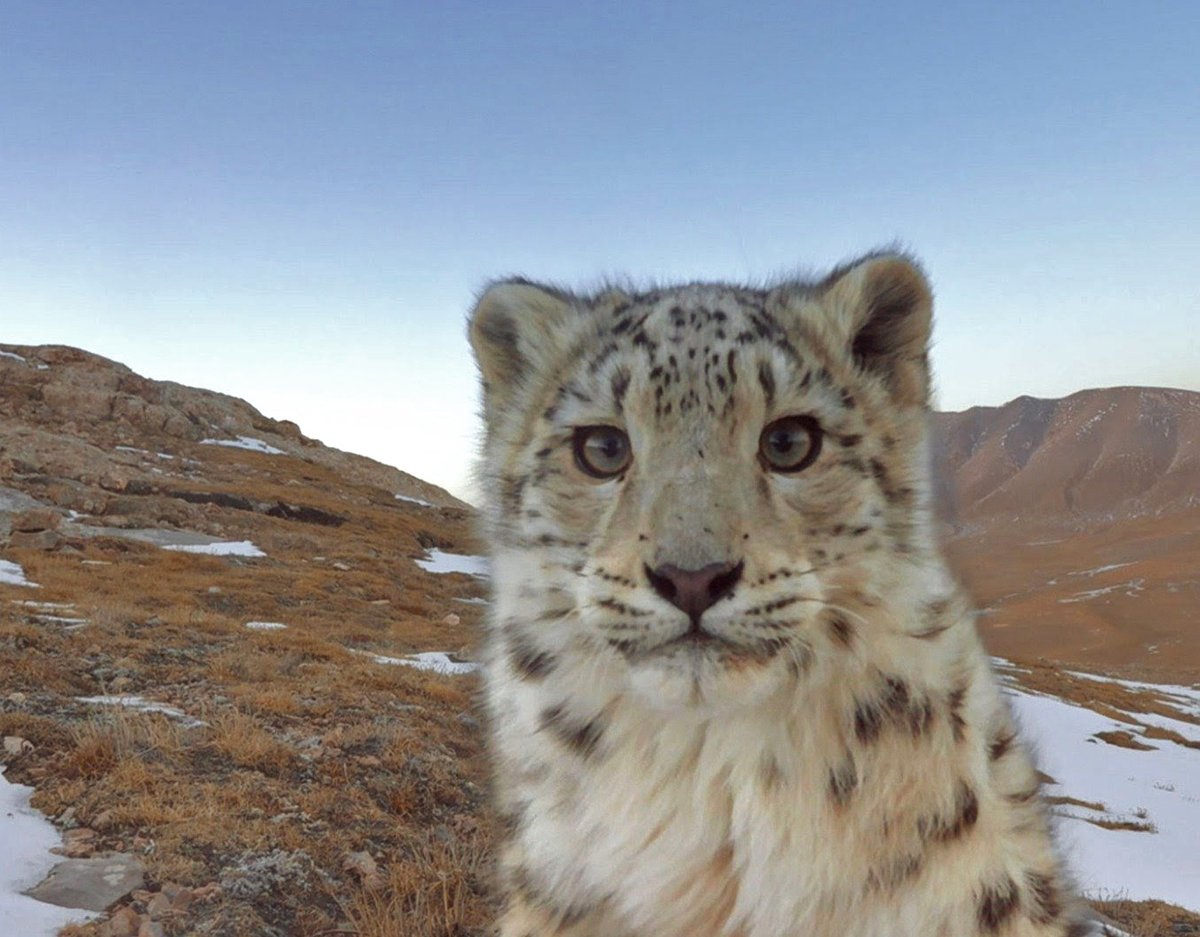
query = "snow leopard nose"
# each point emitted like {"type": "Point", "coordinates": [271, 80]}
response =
{"type": "Point", "coordinates": [695, 590]}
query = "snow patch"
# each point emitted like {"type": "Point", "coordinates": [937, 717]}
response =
{"type": "Point", "coordinates": [1159, 788]}
{"type": "Point", "coordinates": [244, 442]}
{"type": "Point", "coordinates": [12, 575]}
{"type": "Point", "coordinates": [220, 548]}
{"type": "Point", "coordinates": [13, 356]}
{"type": "Point", "coordinates": [437, 661]}
{"type": "Point", "coordinates": [1102, 569]}
{"type": "Point", "coordinates": [146, 706]}
{"type": "Point", "coordinates": [441, 562]}
{"type": "Point", "coordinates": [1131, 589]}
{"type": "Point", "coordinates": [25, 860]}
{"type": "Point", "coordinates": [421, 501]}
{"type": "Point", "coordinates": [265, 625]}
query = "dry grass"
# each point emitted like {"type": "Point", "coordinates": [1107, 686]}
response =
{"type": "Point", "coordinates": [1123, 739]}
{"type": "Point", "coordinates": [309, 749]}
{"type": "Point", "coordinates": [1150, 918]}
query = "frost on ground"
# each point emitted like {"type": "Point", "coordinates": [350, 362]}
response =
{"type": "Point", "coordinates": [1128, 818]}
{"type": "Point", "coordinates": [244, 442]}
{"type": "Point", "coordinates": [441, 562]}
{"type": "Point", "coordinates": [26, 838]}
{"type": "Point", "coordinates": [145, 706]}
{"type": "Point", "coordinates": [12, 575]}
{"type": "Point", "coordinates": [218, 548]}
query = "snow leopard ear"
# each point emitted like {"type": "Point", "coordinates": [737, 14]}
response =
{"type": "Point", "coordinates": [883, 306]}
{"type": "Point", "coordinates": [515, 329]}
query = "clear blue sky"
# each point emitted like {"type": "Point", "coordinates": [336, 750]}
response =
{"type": "Point", "coordinates": [295, 202]}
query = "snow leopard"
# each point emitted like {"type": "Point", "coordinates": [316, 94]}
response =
{"type": "Point", "coordinates": [733, 689]}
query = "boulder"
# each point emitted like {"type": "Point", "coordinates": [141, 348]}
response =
{"type": "Point", "coordinates": [36, 520]}
{"type": "Point", "coordinates": [91, 884]}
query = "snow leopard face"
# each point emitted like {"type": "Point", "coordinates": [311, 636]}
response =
{"type": "Point", "coordinates": [698, 490]}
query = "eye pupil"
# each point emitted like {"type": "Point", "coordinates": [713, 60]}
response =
{"type": "Point", "coordinates": [790, 444]}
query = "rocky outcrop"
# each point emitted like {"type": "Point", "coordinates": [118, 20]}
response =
{"type": "Point", "coordinates": [86, 436]}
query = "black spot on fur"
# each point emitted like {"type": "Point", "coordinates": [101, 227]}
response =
{"type": "Point", "coordinates": [1045, 906]}
{"type": "Point", "coordinates": [894, 873]}
{"type": "Point", "coordinates": [1001, 745]}
{"type": "Point", "coordinates": [619, 385]}
{"type": "Point", "coordinates": [946, 829]}
{"type": "Point", "coordinates": [529, 662]}
{"type": "Point", "coordinates": [955, 705]}
{"type": "Point", "coordinates": [840, 629]}
{"type": "Point", "coordinates": [581, 737]}
{"type": "Point", "coordinates": [843, 779]}
{"type": "Point", "coordinates": [997, 904]}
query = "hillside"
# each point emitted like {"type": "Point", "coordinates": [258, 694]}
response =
{"type": "Point", "coordinates": [1076, 523]}
{"type": "Point", "coordinates": [205, 627]}
{"type": "Point", "coordinates": [223, 649]}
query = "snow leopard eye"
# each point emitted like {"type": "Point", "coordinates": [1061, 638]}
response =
{"type": "Point", "coordinates": [790, 444]}
{"type": "Point", "coordinates": [601, 451]}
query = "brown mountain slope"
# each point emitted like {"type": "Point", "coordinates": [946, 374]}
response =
{"type": "Point", "coordinates": [302, 751]}
{"type": "Point", "coordinates": [1076, 523]}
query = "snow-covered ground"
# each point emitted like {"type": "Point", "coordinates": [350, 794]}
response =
{"type": "Point", "coordinates": [1157, 790]}
{"type": "Point", "coordinates": [244, 442]}
{"type": "Point", "coordinates": [421, 501]}
{"type": "Point", "coordinates": [441, 562]}
{"type": "Point", "coordinates": [26, 838]}
{"type": "Point", "coordinates": [265, 625]}
{"type": "Point", "coordinates": [219, 548]}
{"type": "Point", "coordinates": [145, 706]}
{"type": "Point", "coordinates": [437, 661]}
{"type": "Point", "coordinates": [12, 575]}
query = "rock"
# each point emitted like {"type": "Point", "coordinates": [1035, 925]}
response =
{"type": "Point", "coordinates": [339, 565]}
{"type": "Point", "coordinates": [362, 865]}
{"type": "Point", "coordinates": [157, 906]}
{"type": "Point", "coordinates": [15, 746]}
{"type": "Point", "coordinates": [41, 540]}
{"type": "Point", "coordinates": [180, 897]}
{"type": "Point", "coordinates": [151, 929]}
{"type": "Point", "coordinates": [124, 923]}
{"type": "Point", "coordinates": [91, 884]}
{"type": "Point", "coordinates": [451, 619]}
{"type": "Point", "coordinates": [30, 522]}
{"type": "Point", "coordinates": [78, 843]}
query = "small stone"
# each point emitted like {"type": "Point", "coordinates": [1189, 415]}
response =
{"type": "Point", "coordinates": [78, 843]}
{"type": "Point", "coordinates": [123, 923]}
{"type": "Point", "coordinates": [362, 865]}
{"type": "Point", "coordinates": [181, 898]}
{"type": "Point", "coordinates": [157, 906]}
{"type": "Point", "coordinates": [344, 567]}
{"type": "Point", "coordinates": [15, 746]}
{"type": "Point", "coordinates": [451, 619]}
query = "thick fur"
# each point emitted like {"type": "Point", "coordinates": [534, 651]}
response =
{"type": "Point", "coordinates": [838, 760]}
